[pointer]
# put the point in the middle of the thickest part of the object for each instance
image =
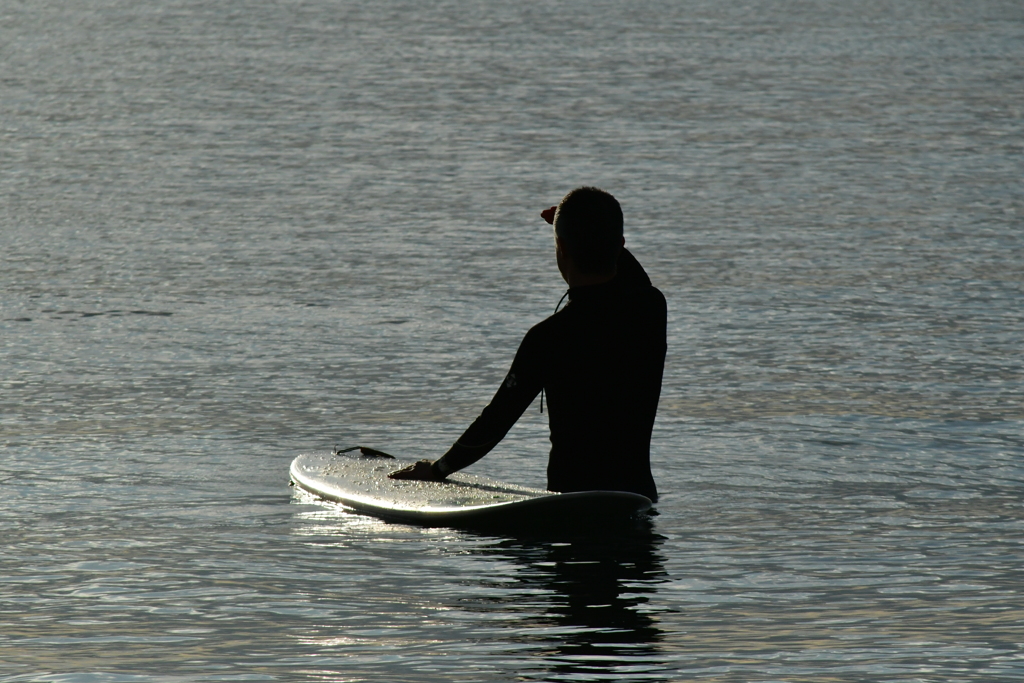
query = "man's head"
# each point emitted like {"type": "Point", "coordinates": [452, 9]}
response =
{"type": "Point", "coordinates": [588, 224]}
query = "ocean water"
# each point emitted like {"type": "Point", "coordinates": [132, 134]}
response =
{"type": "Point", "coordinates": [231, 232]}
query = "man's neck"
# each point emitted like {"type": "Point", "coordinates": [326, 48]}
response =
{"type": "Point", "coordinates": [575, 278]}
{"type": "Point", "coordinates": [571, 274]}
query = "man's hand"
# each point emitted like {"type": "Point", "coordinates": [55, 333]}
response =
{"type": "Point", "coordinates": [549, 214]}
{"type": "Point", "coordinates": [419, 470]}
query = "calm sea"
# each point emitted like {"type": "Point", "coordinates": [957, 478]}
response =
{"type": "Point", "coordinates": [233, 231]}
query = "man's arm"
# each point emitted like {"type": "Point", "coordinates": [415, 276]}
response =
{"type": "Point", "coordinates": [514, 396]}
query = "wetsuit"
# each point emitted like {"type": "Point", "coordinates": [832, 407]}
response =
{"type": "Point", "coordinates": [600, 361]}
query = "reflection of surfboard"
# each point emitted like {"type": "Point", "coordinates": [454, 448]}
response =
{"type": "Point", "coordinates": [463, 500]}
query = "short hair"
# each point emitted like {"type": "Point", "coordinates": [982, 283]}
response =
{"type": "Point", "coordinates": [589, 223]}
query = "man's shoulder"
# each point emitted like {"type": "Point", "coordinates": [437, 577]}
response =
{"type": "Point", "coordinates": [654, 294]}
{"type": "Point", "coordinates": [551, 328]}
{"type": "Point", "coordinates": [642, 294]}
{"type": "Point", "coordinates": [551, 323]}
{"type": "Point", "coordinates": [621, 301]}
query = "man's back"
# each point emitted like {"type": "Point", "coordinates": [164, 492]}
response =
{"type": "Point", "coordinates": [600, 361]}
{"type": "Point", "coordinates": [603, 381]}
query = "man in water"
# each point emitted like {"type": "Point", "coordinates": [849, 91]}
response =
{"type": "Point", "coordinates": [599, 360]}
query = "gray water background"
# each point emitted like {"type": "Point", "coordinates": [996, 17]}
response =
{"type": "Point", "coordinates": [234, 231]}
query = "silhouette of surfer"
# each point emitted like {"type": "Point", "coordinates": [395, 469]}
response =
{"type": "Point", "coordinates": [599, 360]}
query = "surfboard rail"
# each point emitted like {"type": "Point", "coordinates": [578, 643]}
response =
{"type": "Point", "coordinates": [463, 500]}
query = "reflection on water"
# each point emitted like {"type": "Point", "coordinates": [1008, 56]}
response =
{"type": "Point", "coordinates": [597, 622]}
{"type": "Point", "coordinates": [581, 606]}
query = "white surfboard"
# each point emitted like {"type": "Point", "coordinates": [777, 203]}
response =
{"type": "Point", "coordinates": [361, 482]}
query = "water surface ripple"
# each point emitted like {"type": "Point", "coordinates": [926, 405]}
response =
{"type": "Point", "coordinates": [234, 231]}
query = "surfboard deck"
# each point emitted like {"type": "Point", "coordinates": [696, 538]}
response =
{"type": "Point", "coordinates": [462, 500]}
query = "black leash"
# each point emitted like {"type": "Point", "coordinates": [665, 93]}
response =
{"type": "Point", "coordinates": [365, 450]}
